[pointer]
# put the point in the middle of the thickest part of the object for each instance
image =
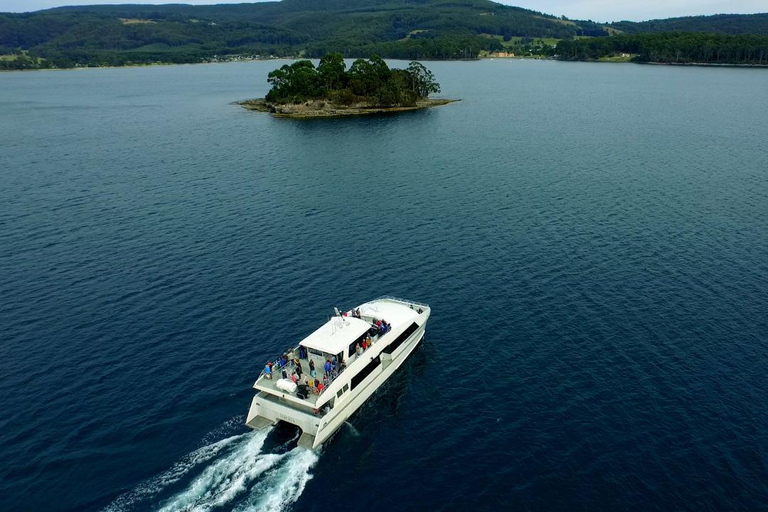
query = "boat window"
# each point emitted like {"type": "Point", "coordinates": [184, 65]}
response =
{"type": "Point", "coordinates": [346, 388]}
{"type": "Point", "coordinates": [360, 377]}
{"type": "Point", "coordinates": [400, 339]}
{"type": "Point", "coordinates": [340, 392]}
{"type": "Point", "coordinates": [354, 344]}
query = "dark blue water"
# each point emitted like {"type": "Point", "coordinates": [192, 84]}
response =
{"type": "Point", "coordinates": [593, 240]}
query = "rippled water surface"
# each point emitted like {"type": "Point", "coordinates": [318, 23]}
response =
{"type": "Point", "coordinates": [593, 240]}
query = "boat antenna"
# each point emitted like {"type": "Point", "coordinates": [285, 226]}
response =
{"type": "Point", "coordinates": [340, 315]}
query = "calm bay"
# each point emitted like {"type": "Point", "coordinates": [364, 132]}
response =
{"type": "Point", "coordinates": [592, 238]}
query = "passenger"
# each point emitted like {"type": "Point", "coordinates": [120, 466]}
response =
{"type": "Point", "coordinates": [285, 374]}
{"type": "Point", "coordinates": [312, 372]}
{"type": "Point", "coordinates": [325, 380]}
{"type": "Point", "coordinates": [281, 361]}
{"type": "Point", "coordinates": [358, 348]}
{"type": "Point", "coordinates": [299, 369]}
{"type": "Point", "coordinates": [328, 366]}
{"type": "Point", "coordinates": [268, 371]}
{"type": "Point", "coordinates": [294, 378]}
{"type": "Point", "coordinates": [378, 324]}
{"type": "Point", "coordinates": [320, 387]}
{"type": "Point", "coordinates": [311, 383]}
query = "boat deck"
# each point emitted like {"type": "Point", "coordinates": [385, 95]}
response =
{"type": "Point", "coordinates": [270, 384]}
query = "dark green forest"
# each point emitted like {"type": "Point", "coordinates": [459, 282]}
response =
{"type": "Point", "coordinates": [719, 24]}
{"type": "Point", "coordinates": [131, 34]}
{"type": "Point", "coordinates": [370, 81]}
{"type": "Point", "coordinates": [116, 35]}
{"type": "Point", "coordinates": [675, 47]}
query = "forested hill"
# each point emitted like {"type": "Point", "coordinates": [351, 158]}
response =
{"type": "Point", "coordinates": [718, 24]}
{"type": "Point", "coordinates": [408, 29]}
{"type": "Point", "coordinates": [412, 29]}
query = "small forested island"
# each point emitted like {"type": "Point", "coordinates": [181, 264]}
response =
{"type": "Point", "coordinates": [301, 90]}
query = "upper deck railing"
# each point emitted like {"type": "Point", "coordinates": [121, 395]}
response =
{"type": "Point", "coordinates": [398, 299]}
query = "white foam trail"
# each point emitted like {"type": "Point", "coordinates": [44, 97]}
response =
{"type": "Point", "coordinates": [156, 484]}
{"type": "Point", "coordinates": [225, 478]}
{"type": "Point", "coordinates": [283, 486]}
{"type": "Point", "coordinates": [233, 472]}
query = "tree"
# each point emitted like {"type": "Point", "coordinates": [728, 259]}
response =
{"type": "Point", "coordinates": [380, 67]}
{"type": "Point", "coordinates": [364, 78]}
{"type": "Point", "coordinates": [422, 80]}
{"type": "Point", "coordinates": [331, 71]}
{"type": "Point", "coordinates": [293, 83]}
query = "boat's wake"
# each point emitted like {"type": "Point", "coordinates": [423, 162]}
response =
{"type": "Point", "coordinates": [235, 472]}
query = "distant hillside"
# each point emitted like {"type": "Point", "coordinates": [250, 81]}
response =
{"type": "Point", "coordinates": [409, 29]}
{"type": "Point", "coordinates": [120, 34]}
{"type": "Point", "coordinates": [717, 24]}
{"type": "Point", "coordinates": [671, 48]}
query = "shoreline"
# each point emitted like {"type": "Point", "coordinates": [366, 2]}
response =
{"type": "Point", "coordinates": [704, 64]}
{"type": "Point", "coordinates": [166, 64]}
{"type": "Point", "coordinates": [683, 64]}
{"type": "Point", "coordinates": [146, 65]}
{"type": "Point", "coordinates": [320, 109]}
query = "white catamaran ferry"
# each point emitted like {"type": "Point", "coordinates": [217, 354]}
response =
{"type": "Point", "coordinates": [327, 377]}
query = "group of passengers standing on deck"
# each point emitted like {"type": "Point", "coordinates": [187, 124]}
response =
{"type": "Point", "coordinates": [331, 367]}
{"type": "Point", "coordinates": [312, 382]}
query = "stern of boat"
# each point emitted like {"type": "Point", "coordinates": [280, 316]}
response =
{"type": "Point", "coordinates": [266, 411]}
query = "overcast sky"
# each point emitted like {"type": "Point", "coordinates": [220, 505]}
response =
{"type": "Point", "coordinates": [597, 10]}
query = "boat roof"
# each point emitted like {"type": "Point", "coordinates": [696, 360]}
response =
{"type": "Point", "coordinates": [336, 335]}
{"type": "Point", "coordinates": [394, 313]}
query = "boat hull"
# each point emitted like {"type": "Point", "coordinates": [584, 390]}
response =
{"type": "Point", "coordinates": [329, 426]}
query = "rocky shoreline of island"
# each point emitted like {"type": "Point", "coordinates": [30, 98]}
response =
{"type": "Point", "coordinates": [320, 108]}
